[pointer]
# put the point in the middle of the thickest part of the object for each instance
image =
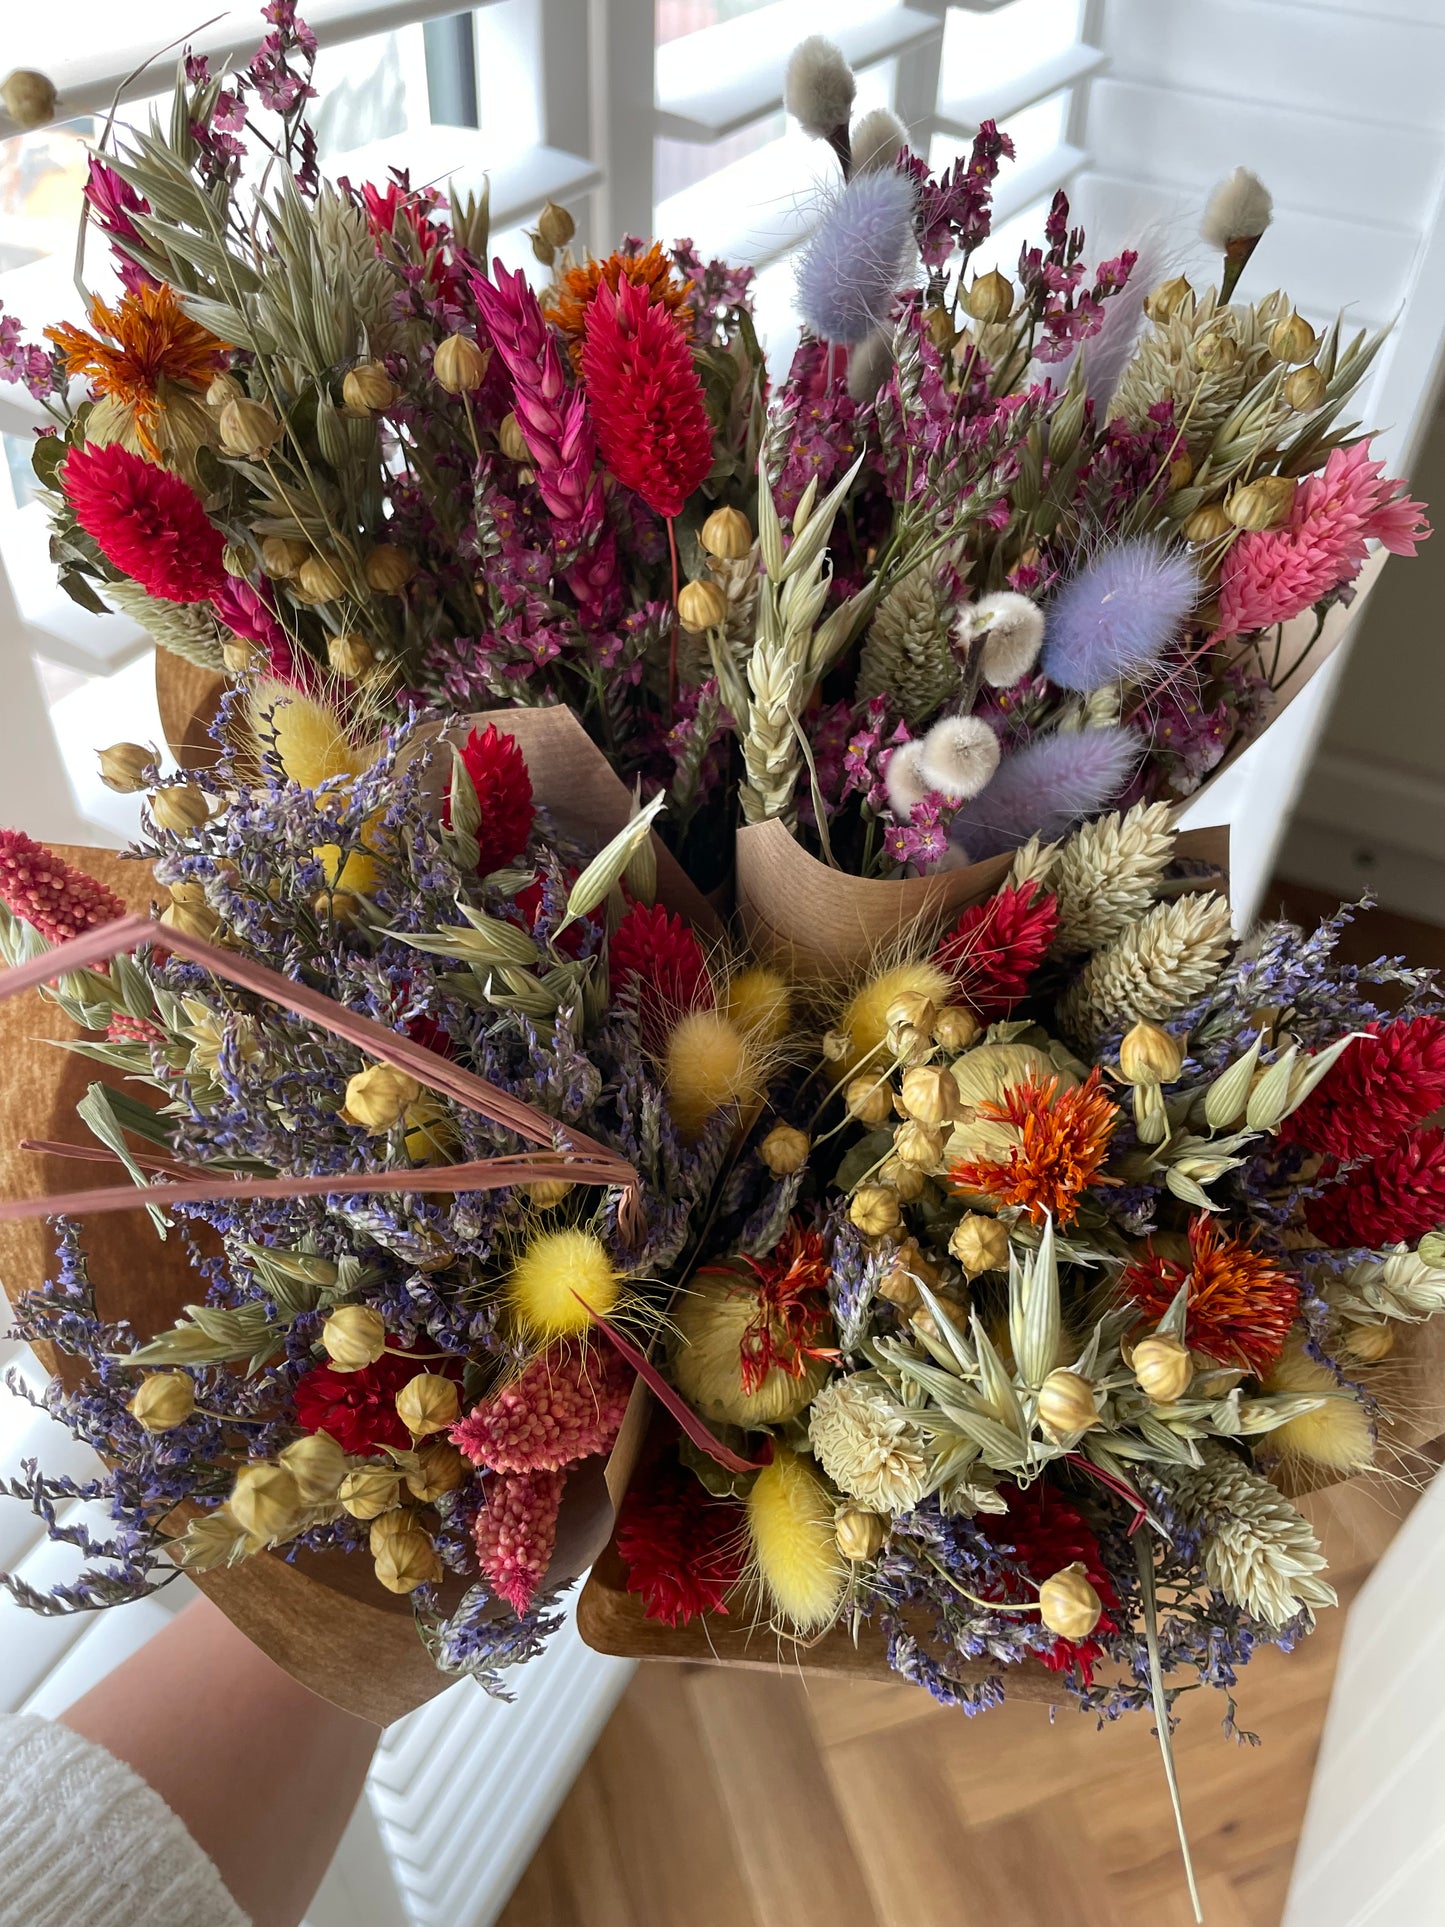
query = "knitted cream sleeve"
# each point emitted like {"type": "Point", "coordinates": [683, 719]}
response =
{"type": "Point", "coordinates": [86, 1843]}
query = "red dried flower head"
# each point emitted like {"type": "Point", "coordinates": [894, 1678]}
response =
{"type": "Point", "coordinates": [1063, 1140]}
{"type": "Point", "coordinates": [997, 945]}
{"type": "Point", "coordinates": [1381, 1086]}
{"type": "Point", "coordinates": [358, 1409]}
{"type": "Point", "coordinates": [515, 1532]}
{"type": "Point", "coordinates": [578, 286]}
{"type": "Point", "coordinates": [1395, 1199]}
{"type": "Point", "coordinates": [498, 771]}
{"type": "Point", "coordinates": [684, 1550]}
{"type": "Point", "coordinates": [790, 1287]}
{"type": "Point", "coordinates": [146, 522]}
{"type": "Point", "coordinates": [1045, 1534]}
{"type": "Point", "coordinates": [53, 898]}
{"type": "Point", "coordinates": [565, 1405]}
{"type": "Point", "coordinates": [660, 954]}
{"type": "Point", "coordinates": [1241, 1303]}
{"type": "Point", "coordinates": [644, 397]}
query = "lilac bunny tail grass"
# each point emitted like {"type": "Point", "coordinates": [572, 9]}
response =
{"type": "Point", "coordinates": [1118, 615]}
{"type": "Point", "coordinates": [859, 253]}
{"type": "Point", "coordinates": [1046, 788]}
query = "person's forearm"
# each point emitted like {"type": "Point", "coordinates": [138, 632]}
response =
{"type": "Point", "coordinates": [263, 1773]}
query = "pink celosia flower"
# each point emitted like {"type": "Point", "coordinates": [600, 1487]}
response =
{"type": "Point", "coordinates": [43, 889]}
{"type": "Point", "coordinates": [1273, 574]}
{"type": "Point", "coordinates": [566, 1405]}
{"type": "Point", "coordinates": [515, 1532]}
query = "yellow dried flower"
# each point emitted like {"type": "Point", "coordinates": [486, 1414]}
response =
{"type": "Point", "coordinates": [427, 1403]}
{"type": "Point", "coordinates": [980, 1244]}
{"type": "Point", "coordinates": [860, 1534]}
{"type": "Point", "coordinates": [388, 568]}
{"type": "Point", "coordinates": [560, 1280]}
{"type": "Point", "coordinates": [403, 1550]}
{"type": "Point", "coordinates": [162, 1401]}
{"type": "Point", "coordinates": [1066, 1404]}
{"type": "Point", "coordinates": [1068, 1604]}
{"type": "Point", "coordinates": [179, 807]}
{"type": "Point", "coordinates": [266, 1501]}
{"type": "Point", "coordinates": [1163, 1367]}
{"type": "Point", "coordinates": [369, 1491]}
{"type": "Point", "coordinates": [874, 1209]}
{"type": "Point", "coordinates": [354, 1337]}
{"type": "Point", "coordinates": [702, 605]}
{"type": "Point", "coordinates": [784, 1150]}
{"type": "Point", "coordinates": [123, 767]}
{"type": "Point", "coordinates": [727, 534]}
{"type": "Point", "coordinates": [461, 364]}
{"type": "Point", "coordinates": [318, 1465]}
{"type": "Point", "coordinates": [379, 1097]}
{"type": "Point", "coordinates": [367, 389]}
{"type": "Point", "coordinates": [248, 428]}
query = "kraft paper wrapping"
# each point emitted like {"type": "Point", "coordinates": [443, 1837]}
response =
{"type": "Point", "coordinates": [322, 1616]}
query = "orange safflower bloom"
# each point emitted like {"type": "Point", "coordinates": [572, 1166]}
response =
{"type": "Point", "coordinates": [652, 271]}
{"type": "Point", "coordinates": [1241, 1302]}
{"type": "Point", "coordinates": [153, 345]}
{"type": "Point", "coordinates": [1063, 1139]}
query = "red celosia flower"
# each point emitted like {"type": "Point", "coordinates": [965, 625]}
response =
{"type": "Point", "coordinates": [995, 947]}
{"type": "Point", "coordinates": [578, 286]}
{"type": "Point", "coordinates": [644, 397]}
{"type": "Point", "coordinates": [1241, 1303]}
{"type": "Point", "coordinates": [146, 522]}
{"type": "Point", "coordinates": [43, 889]}
{"type": "Point", "coordinates": [358, 1409]}
{"type": "Point", "coordinates": [790, 1286]}
{"type": "Point", "coordinates": [515, 1532]}
{"type": "Point", "coordinates": [1381, 1086]}
{"type": "Point", "coordinates": [1045, 1534]}
{"type": "Point", "coordinates": [684, 1549]}
{"type": "Point", "coordinates": [661, 955]}
{"type": "Point", "coordinates": [565, 1405]}
{"type": "Point", "coordinates": [498, 771]}
{"type": "Point", "coordinates": [1063, 1139]}
{"type": "Point", "coordinates": [1398, 1197]}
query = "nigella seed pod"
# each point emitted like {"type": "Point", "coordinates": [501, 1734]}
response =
{"type": "Point", "coordinates": [956, 1028]}
{"type": "Point", "coordinates": [350, 655]}
{"type": "Point", "coordinates": [1164, 302]}
{"type": "Point", "coordinates": [282, 556]}
{"type": "Point", "coordinates": [223, 388]}
{"type": "Point", "coordinates": [1264, 503]}
{"type": "Point", "coordinates": [369, 1491]}
{"type": "Point", "coordinates": [367, 389]}
{"type": "Point", "coordinates": [123, 767]}
{"type": "Point", "coordinates": [1207, 525]}
{"type": "Point", "coordinates": [868, 1099]}
{"type": "Point", "coordinates": [388, 568]}
{"type": "Point", "coordinates": [403, 1551]}
{"type": "Point", "coordinates": [440, 1468]}
{"type": "Point", "coordinates": [991, 298]}
{"type": "Point", "coordinates": [727, 534]}
{"type": "Point", "coordinates": [248, 428]}
{"type": "Point", "coordinates": [266, 1501]}
{"type": "Point", "coordinates": [1293, 339]}
{"type": "Point", "coordinates": [860, 1534]}
{"type": "Point", "coordinates": [511, 440]}
{"type": "Point", "coordinates": [929, 1094]}
{"type": "Point", "coordinates": [874, 1209]}
{"type": "Point", "coordinates": [980, 1244]}
{"type": "Point", "coordinates": [1306, 389]}
{"type": "Point", "coordinates": [555, 225]}
{"type": "Point", "coordinates": [318, 1465]}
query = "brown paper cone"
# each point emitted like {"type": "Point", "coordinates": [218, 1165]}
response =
{"type": "Point", "coordinates": [188, 699]}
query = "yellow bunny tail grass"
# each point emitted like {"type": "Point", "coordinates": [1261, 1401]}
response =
{"type": "Point", "coordinates": [710, 1062]}
{"type": "Point", "coordinates": [309, 736]}
{"type": "Point", "coordinates": [1336, 1434]}
{"type": "Point", "coordinates": [790, 1520]}
{"type": "Point", "coordinates": [560, 1280]}
{"type": "Point", "coordinates": [865, 1020]}
{"type": "Point", "coordinates": [760, 1003]}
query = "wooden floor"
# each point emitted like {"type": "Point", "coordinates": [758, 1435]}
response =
{"type": "Point", "coordinates": [720, 1798]}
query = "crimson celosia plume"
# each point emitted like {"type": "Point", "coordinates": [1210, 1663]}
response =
{"type": "Point", "coordinates": [498, 771]}
{"type": "Point", "coordinates": [1397, 1197]}
{"type": "Point", "coordinates": [660, 954]}
{"type": "Point", "coordinates": [996, 946]}
{"type": "Point", "coordinates": [644, 397]}
{"type": "Point", "coordinates": [145, 522]}
{"type": "Point", "coordinates": [1381, 1086]}
{"type": "Point", "coordinates": [684, 1549]}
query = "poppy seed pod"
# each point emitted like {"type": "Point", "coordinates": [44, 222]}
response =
{"type": "Point", "coordinates": [702, 605]}
{"type": "Point", "coordinates": [460, 364]}
{"type": "Point", "coordinates": [266, 1501]}
{"type": "Point", "coordinates": [162, 1401]}
{"type": "Point", "coordinates": [380, 1096]}
{"type": "Point", "coordinates": [727, 534]}
{"type": "Point", "coordinates": [403, 1550]}
{"type": "Point", "coordinates": [354, 1337]}
{"type": "Point", "coordinates": [874, 1209]}
{"type": "Point", "coordinates": [1162, 1367]}
{"type": "Point", "coordinates": [1066, 1404]}
{"type": "Point", "coordinates": [784, 1150]}
{"type": "Point", "coordinates": [248, 428]}
{"type": "Point", "coordinates": [428, 1403]}
{"type": "Point", "coordinates": [179, 807]}
{"type": "Point", "coordinates": [860, 1534]}
{"type": "Point", "coordinates": [123, 767]}
{"type": "Point", "coordinates": [1149, 1055]}
{"type": "Point", "coordinates": [370, 1491]}
{"type": "Point", "coordinates": [1068, 1604]}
